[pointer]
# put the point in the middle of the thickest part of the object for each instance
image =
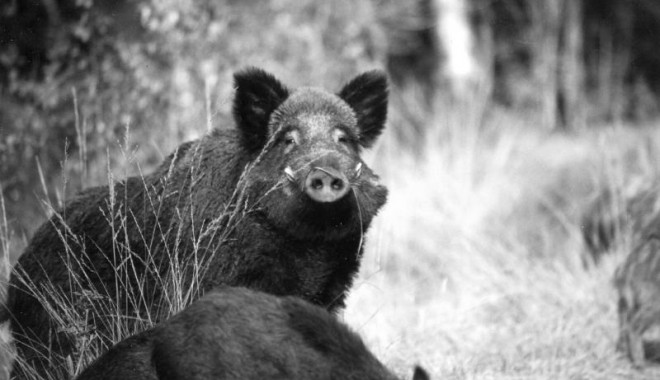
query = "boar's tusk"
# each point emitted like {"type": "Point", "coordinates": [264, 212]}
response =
{"type": "Point", "coordinates": [358, 169]}
{"type": "Point", "coordinates": [289, 174]}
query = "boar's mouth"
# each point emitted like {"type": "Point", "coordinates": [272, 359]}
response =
{"type": "Point", "coordinates": [323, 202]}
{"type": "Point", "coordinates": [322, 191]}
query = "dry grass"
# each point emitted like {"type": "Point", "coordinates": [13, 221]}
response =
{"type": "Point", "coordinates": [475, 270]}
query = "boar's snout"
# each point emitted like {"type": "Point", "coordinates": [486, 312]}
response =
{"type": "Point", "coordinates": [326, 185]}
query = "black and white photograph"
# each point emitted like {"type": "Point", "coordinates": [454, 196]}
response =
{"type": "Point", "coordinates": [368, 189]}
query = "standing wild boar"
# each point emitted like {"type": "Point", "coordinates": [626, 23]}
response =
{"type": "Point", "coordinates": [236, 333]}
{"type": "Point", "coordinates": [279, 204]}
{"type": "Point", "coordinates": [637, 281]}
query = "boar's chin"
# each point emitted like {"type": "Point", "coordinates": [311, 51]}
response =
{"type": "Point", "coordinates": [304, 219]}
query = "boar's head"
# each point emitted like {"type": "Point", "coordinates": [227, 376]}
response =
{"type": "Point", "coordinates": [307, 177]}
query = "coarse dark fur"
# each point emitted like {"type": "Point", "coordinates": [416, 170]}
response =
{"type": "Point", "coordinates": [245, 207]}
{"type": "Point", "coordinates": [236, 333]}
{"type": "Point", "coordinates": [637, 281]}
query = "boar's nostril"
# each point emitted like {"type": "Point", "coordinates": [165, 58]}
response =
{"type": "Point", "coordinates": [317, 184]}
{"type": "Point", "coordinates": [323, 185]}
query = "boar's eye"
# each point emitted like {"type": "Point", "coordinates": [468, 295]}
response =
{"type": "Point", "coordinates": [291, 138]}
{"type": "Point", "coordinates": [341, 136]}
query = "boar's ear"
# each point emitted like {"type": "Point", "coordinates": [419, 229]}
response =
{"type": "Point", "coordinates": [367, 95]}
{"type": "Point", "coordinates": [258, 94]}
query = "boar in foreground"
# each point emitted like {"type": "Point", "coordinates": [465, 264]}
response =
{"type": "Point", "coordinates": [236, 333]}
{"type": "Point", "coordinates": [278, 204]}
{"type": "Point", "coordinates": [637, 281]}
